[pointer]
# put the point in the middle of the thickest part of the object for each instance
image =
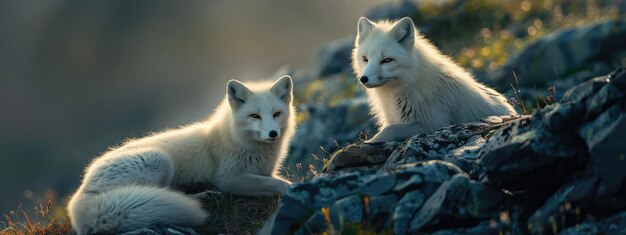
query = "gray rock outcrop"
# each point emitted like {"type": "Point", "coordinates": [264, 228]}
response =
{"type": "Point", "coordinates": [559, 170]}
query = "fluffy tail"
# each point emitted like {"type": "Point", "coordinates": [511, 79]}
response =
{"type": "Point", "coordinates": [128, 208]}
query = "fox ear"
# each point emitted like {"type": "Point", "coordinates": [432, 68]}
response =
{"type": "Point", "coordinates": [404, 32]}
{"type": "Point", "coordinates": [365, 27]}
{"type": "Point", "coordinates": [237, 92]}
{"type": "Point", "coordinates": [283, 88]}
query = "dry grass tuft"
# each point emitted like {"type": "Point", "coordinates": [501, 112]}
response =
{"type": "Point", "coordinates": [45, 222]}
{"type": "Point", "coordinates": [229, 214]}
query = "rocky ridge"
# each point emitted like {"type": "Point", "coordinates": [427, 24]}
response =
{"type": "Point", "coordinates": [557, 171]}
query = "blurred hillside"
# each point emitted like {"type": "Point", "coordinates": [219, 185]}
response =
{"type": "Point", "coordinates": [77, 77]}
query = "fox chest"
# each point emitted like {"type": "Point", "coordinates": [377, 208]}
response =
{"type": "Point", "coordinates": [414, 108]}
{"type": "Point", "coordinates": [260, 163]}
{"type": "Point", "coordinates": [399, 109]}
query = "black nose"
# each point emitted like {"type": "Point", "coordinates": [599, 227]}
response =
{"type": "Point", "coordinates": [273, 134]}
{"type": "Point", "coordinates": [364, 79]}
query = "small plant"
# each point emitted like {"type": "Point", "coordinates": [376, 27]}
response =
{"type": "Point", "coordinates": [518, 96]}
{"type": "Point", "coordinates": [300, 173]}
{"type": "Point", "coordinates": [547, 100]}
{"type": "Point", "coordinates": [19, 223]}
{"type": "Point", "coordinates": [540, 102]}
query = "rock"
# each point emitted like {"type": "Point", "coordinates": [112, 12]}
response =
{"type": "Point", "coordinates": [605, 138]}
{"type": "Point", "coordinates": [361, 155]}
{"type": "Point", "coordinates": [528, 147]}
{"type": "Point", "coordinates": [376, 192]}
{"type": "Point", "coordinates": [583, 197]}
{"type": "Point", "coordinates": [421, 194]}
{"type": "Point", "coordinates": [591, 112]}
{"type": "Point", "coordinates": [343, 121]}
{"type": "Point", "coordinates": [558, 140]}
{"type": "Point", "coordinates": [584, 91]}
{"type": "Point", "coordinates": [458, 202]}
{"type": "Point", "coordinates": [583, 128]}
{"type": "Point", "coordinates": [458, 144]}
{"type": "Point", "coordinates": [604, 135]}
{"type": "Point", "coordinates": [410, 203]}
{"type": "Point", "coordinates": [537, 174]}
{"type": "Point", "coordinates": [334, 58]}
{"type": "Point", "coordinates": [617, 78]}
{"type": "Point", "coordinates": [590, 51]}
{"type": "Point", "coordinates": [485, 227]}
{"type": "Point", "coordinates": [613, 225]}
{"type": "Point", "coordinates": [563, 209]}
{"type": "Point", "coordinates": [162, 230]}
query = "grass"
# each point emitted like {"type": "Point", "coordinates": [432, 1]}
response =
{"type": "Point", "coordinates": [300, 174]}
{"type": "Point", "coordinates": [45, 221]}
{"type": "Point", "coordinates": [518, 96]}
{"type": "Point", "coordinates": [539, 101]}
{"type": "Point", "coordinates": [229, 214]}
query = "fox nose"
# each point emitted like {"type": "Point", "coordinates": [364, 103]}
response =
{"type": "Point", "coordinates": [364, 79]}
{"type": "Point", "coordinates": [273, 134]}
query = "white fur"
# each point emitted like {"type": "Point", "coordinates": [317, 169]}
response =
{"type": "Point", "coordinates": [128, 187]}
{"type": "Point", "coordinates": [421, 89]}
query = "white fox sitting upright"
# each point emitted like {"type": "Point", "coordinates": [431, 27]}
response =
{"type": "Point", "coordinates": [412, 87]}
{"type": "Point", "coordinates": [239, 149]}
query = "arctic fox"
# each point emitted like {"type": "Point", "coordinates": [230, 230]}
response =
{"type": "Point", "coordinates": [239, 149]}
{"type": "Point", "coordinates": [412, 87]}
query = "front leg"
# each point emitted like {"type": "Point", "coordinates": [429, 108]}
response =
{"type": "Point", "coordinates": [251, 185]}
{"type": "Point", "coordinates": [397, 132]}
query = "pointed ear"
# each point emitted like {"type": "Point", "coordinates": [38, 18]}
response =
{"type": "Point", "coordinates": [283, 88]}
{"type": "Point", "coordinates": [404, 32]}
{"type": "Point", "coordinates": [365, 27]}
{"type": "Point", "coordinates": [237, 92]}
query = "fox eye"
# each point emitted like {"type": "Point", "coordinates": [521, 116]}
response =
{"type": "Point", "coordinates": [256, 116]}
{"type": "Point", "coordinates": [386, 60]}
{"type": "Point", "coordinates": [365, 58]}
{"type": "Point", "coordinates": [276, 114]}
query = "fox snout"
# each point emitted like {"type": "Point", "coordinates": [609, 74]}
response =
{"type": "Point", "coordinates": [270, 136]}
{"type": "Point", "coordinates": [364, 79]}
{"type": "Point", "coordinates": [374, 81]}
{"type": "Point", "coordinates": [273, 134]}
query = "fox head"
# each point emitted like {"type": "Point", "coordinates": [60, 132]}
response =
{"type": "Point", "coordinates": [382, 50]}
{"type": "Point", "coordinates": [262, 112]}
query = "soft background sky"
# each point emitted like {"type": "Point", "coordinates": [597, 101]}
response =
{"type": "Point", "coordinates": [79, 76]}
